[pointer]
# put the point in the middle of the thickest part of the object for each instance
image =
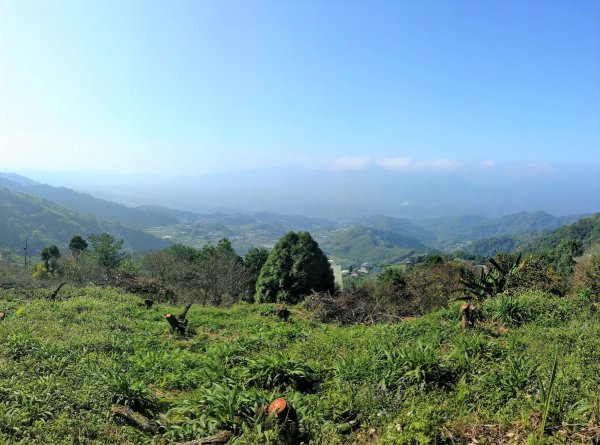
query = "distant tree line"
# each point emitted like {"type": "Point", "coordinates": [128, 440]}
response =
{"type": "Point", "coordinates": [214, 275]}
{"type": "Point", "coordinates": [296, 269]}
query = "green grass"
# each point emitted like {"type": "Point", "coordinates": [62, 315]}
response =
{"type": "Point", "coordinates": [64, 363]}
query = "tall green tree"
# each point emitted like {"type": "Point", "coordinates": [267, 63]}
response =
{"type": "Point", "coordinates": [295, 267]}
{"type": "Point", "coordinates": [50, 256]}
{"type": "Point", "coordinates": [254, 260]}
{"type": "Point", "coordinates": [107, 250]}
{"type": "Point", "coordinates": [77, 245]}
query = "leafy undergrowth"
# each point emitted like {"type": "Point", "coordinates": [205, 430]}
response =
{"type": "Point", "coordinates": [64, 363]}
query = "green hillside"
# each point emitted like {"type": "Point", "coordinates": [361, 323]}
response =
{"type": "Point", "coordinates": [43, 223]}
{"type": "Point", "coordinates": [493, 245]}
{"type": "Point", "coordinates": [473, 228]}
{"type": "Point", "coordinates": [64, 363]}
{"type": "Point", "coordinates": [401, 226]}
{"type": "Point", "coordinates": [359, 244]}
{"type": "Point", "coordinates": [87, 204]}
{"type": "Point", "coordinates": [586, 231]}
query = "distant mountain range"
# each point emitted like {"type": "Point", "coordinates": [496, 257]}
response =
{"type": "Point", "coordinates": [51, 215]}
{"type": "Point", "coordinates": [83, 203]}
{"type": "Point", "coordinates": [585, 230]}
{"type": "Point", "coordinates": [43, 222]}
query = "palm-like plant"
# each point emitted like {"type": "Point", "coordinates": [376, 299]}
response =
{"type": "Point", "coordinates": [492, 281]}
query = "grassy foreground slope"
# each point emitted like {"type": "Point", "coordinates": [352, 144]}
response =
{"type": "Point", "coordinates": [64, 363]}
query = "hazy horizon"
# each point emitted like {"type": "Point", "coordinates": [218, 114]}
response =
{"type": "Point", "coordinates": [342, 195]}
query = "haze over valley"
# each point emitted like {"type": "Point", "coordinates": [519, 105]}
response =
{"type": "Point", "coordinates": [377, 239]}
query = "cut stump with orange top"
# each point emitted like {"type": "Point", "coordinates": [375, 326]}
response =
{"type": "Point", "coordinates": [285, 415]}
{"type": "Point", "coordinates": [283, 410]}
{"type": "Point", "coordinates": [175, 324]}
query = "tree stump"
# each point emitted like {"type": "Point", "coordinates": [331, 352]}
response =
{"type": "Point", "coordinates": [148, 303]}
{"type": "Point", "coordinates": [176, 325]}
{"type": "Point", "coordinates": [283, 313]}
{"type": "Point", "coordinates": [286, 416]}
{"type": "Point", "coordinates": [179, 323]}
{"type": "Point", "coordinates": [467, 316]}
{"type": "Point", "coordinates": [2, 315]}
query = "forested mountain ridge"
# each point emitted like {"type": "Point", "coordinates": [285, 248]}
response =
{"type": "Point", "coordinates": [476, 227]}
{"type": "Point", "coordinates": [377, 239]}
{"type": "Point", "coordinates": [359, 244]}
{"type": "Point", "coordinates": [43, 223]}
{"type": "Point", "coordinates": [85, 203]}
{"type": "Point", "coordinates": [402, 226]}
{"type": "Point", "coordinates": [585, 231]}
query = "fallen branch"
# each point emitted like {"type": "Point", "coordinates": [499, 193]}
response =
{"type": "Point", "coordinates": [137, 419]}
{"type": "Point", "coordinates": [346, 427]}
{"type": "Point", "coordinates": [55, 293]}
{"type": "Point", "coordinates": [220, 437]}
{"type": "Point", "coordinates": [181, 317]}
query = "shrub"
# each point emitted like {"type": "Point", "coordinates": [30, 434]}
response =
{"type": "Point", "coordinates": [210, 409]}
{"type": "Point", "coordinates": [124, 390]}
{"type": "Point", "coordinates": [587, 274]}
{"type": "Point", "coordinates": [538, 272]}
{"type": "Point", "coordinates": [40, 272]}
{"type": "Point", "coordinates": [415, 365]}
{"type": "Point", "coordinates": [278, 371]}
{"type": "Point", "coordinates": [510, 310]}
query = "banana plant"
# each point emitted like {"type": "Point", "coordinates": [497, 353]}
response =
{"type": "Point", "coordinates": [492, 281]}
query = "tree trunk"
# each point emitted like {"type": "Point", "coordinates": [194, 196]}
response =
{"type": "Point", "coordinates": [137, 419]}
{"type": "Point", "coordinates": [467, 316]}
{"type": "Point", "coordinates": [179, 323]}
{"type": "Point", "coordinates": [219, 438]}
{"type": "Point", "coordinates": [181, 317]}
{"type": "Point", "coordinates": [176, 325]}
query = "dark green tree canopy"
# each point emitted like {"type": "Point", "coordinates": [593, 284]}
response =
{"type": "Point", "coordinates": [255, 258]}
{"type": "Point", "coordinates": [77, 244]}
{"type": "Point", "coordinates": [295, 267]}
{"type": "Point", "coordinates": [49, 256]}
{"type": "Point", "coordinates": [224, 247]}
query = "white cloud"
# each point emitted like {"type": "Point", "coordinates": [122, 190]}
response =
{"type": "Point", "coordinates": [410, 165]}
{"type": "Point", "coordinates": [347, 163]}
{"type": "Point", "coordinates": [399, 164]}
{"type": "Point", "coordinates": [445, 165]}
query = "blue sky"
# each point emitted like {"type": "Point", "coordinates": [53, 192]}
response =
{"type": "Point", "coordinates": [200, 87]}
